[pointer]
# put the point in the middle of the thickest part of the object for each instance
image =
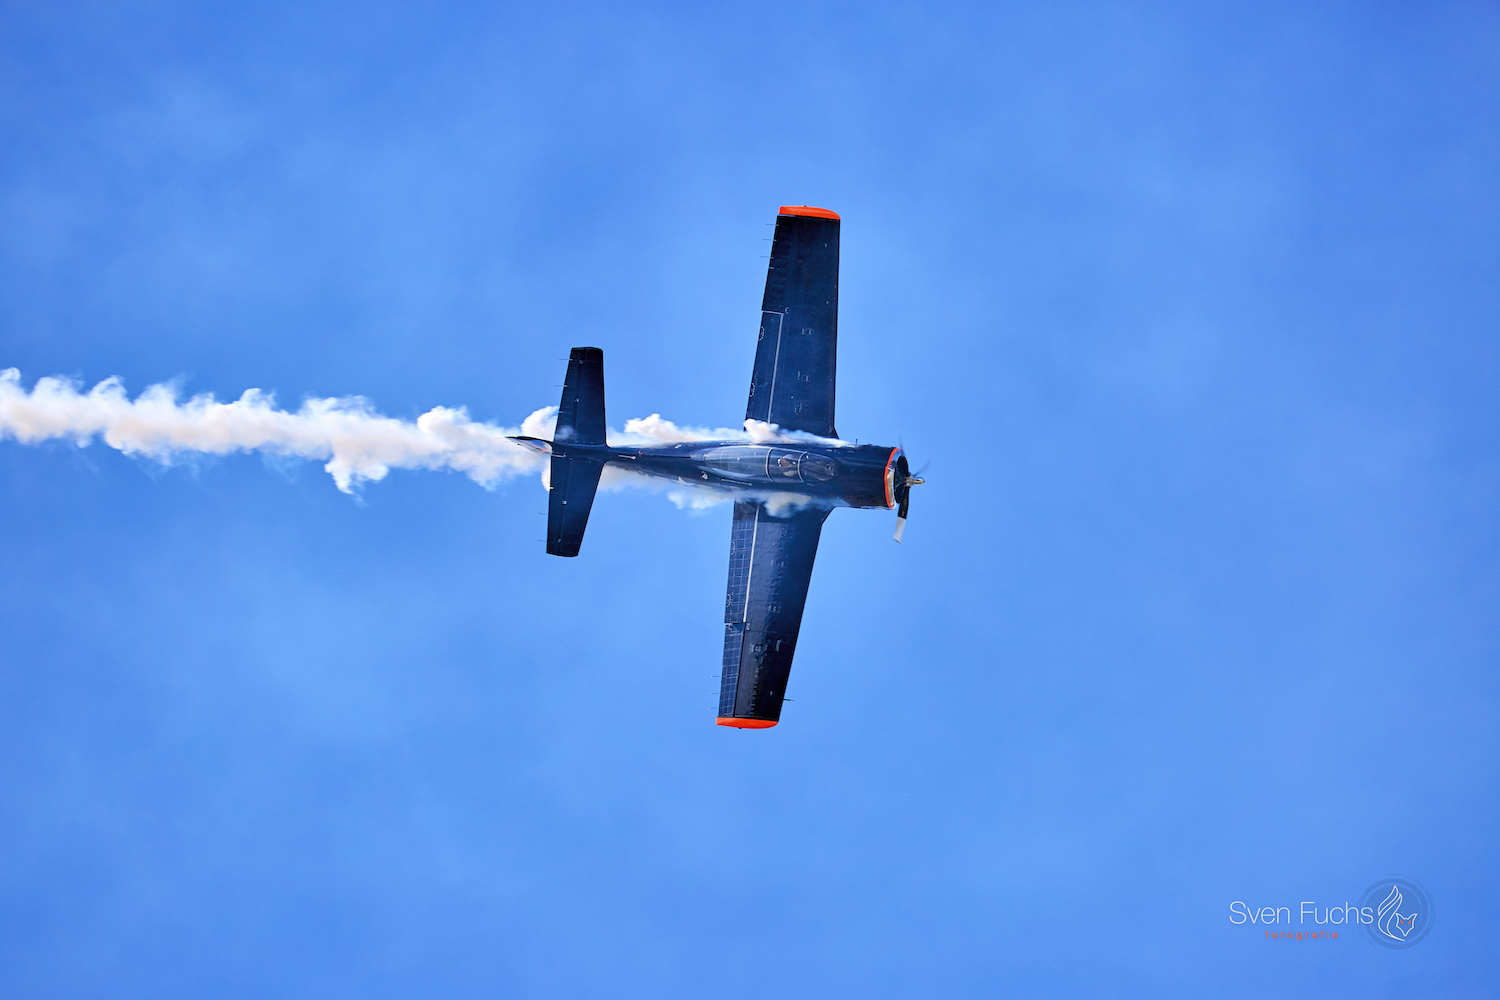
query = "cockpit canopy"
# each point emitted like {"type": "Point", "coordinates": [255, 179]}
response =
{"type": "Point", "coordinates": [772, 465]}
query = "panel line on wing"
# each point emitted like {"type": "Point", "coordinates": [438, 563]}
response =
{"type": "Point", "coordinates": [750, 573]}
{"type": "Point", "coordinates": [775, 366]}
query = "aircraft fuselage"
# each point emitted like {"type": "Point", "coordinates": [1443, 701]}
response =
{"type": "Point", "coordinates": [832, 475]}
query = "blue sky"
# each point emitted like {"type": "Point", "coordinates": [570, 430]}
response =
{"type": "Point", "coordinates": [1193, 312]}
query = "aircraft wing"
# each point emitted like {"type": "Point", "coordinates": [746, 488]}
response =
{"type": "Point", "coordinates": [799, 324]}
{"type": "Point", "coordinates": [770, 564]}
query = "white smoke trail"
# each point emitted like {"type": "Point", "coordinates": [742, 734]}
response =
{"type": "Point", "coordinates": [356, 443]}
{"type": "Point", "coordinates": [655, 430]}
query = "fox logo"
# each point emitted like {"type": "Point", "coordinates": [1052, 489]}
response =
{"type": "Point", "coordinates": [1391, 922]}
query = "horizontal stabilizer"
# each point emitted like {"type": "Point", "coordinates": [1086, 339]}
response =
{"type": "Point", "coordinates": [574, 482]}
{"type": "Point", "coordinates": [580, 415]}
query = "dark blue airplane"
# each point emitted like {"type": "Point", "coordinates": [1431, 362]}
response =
{"type": "Point", "coordinates": [785, 487]}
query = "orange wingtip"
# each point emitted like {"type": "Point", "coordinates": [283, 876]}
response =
{"type": "Point", "coordinates": [817, 213]}
{"type": "Point", "coordinates": [745, 723]}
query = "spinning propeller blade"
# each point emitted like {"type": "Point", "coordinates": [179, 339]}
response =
{"type": "Point", "coordinates": [903, 494]}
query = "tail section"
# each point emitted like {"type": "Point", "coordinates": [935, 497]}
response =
{"type": "Point", "coordinates": [580, 415]}
{"type": "Point", "coordinates": [575, 476]}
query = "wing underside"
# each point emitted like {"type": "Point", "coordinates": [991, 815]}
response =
{"type": "Point", "coordinates": [796, 355]}
{"type": "Point", "coordinates": [770, 565]}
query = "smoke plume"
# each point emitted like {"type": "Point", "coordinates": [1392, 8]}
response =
{"type": "Point", "coordinates": [355, 443]}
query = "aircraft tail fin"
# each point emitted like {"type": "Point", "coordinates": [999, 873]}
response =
{"type": "Point", "coordinates": [574, 482]}
{"type": "Point", "coordinates": [580, 415]}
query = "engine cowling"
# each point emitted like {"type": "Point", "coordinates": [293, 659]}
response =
{"type": "Point", "coordinates": [868, 475]}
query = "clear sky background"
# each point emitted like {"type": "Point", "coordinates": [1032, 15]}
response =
{"type": "Point", "coordinates": [1193, 309]}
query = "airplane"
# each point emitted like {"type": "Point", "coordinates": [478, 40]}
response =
{"type": "Point", "coordinates": [785, 481]}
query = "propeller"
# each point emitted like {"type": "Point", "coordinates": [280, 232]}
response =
{"type": "Point", "coordinates": [904, 482]}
